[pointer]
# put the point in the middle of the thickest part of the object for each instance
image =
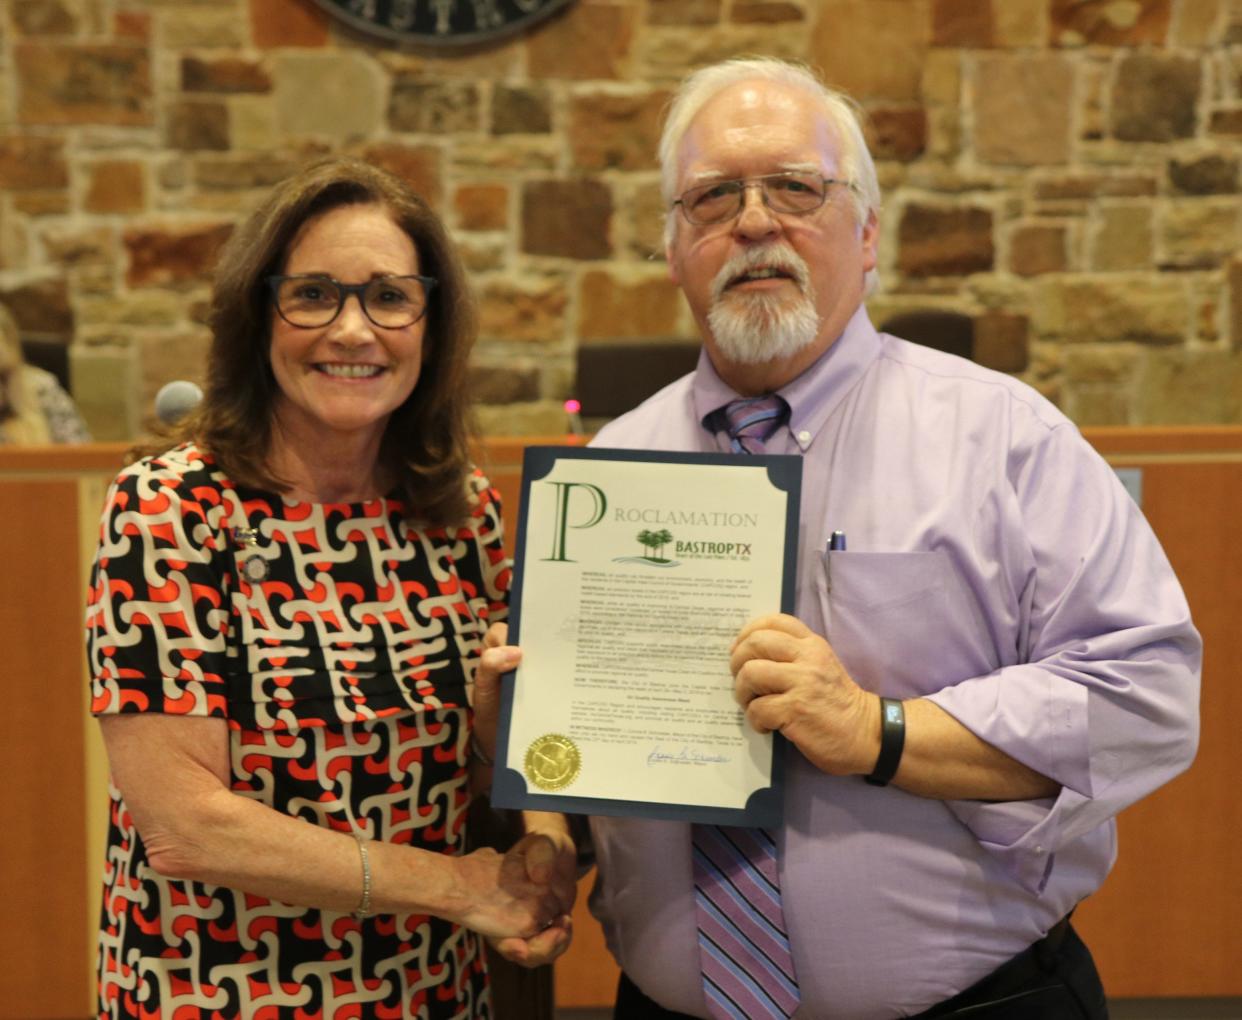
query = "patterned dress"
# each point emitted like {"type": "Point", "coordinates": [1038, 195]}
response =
{"type": "Point", "coordinates": [337, 640]}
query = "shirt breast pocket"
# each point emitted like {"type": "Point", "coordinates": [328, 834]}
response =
{"type": "Point", "coordinates": [904, 624]}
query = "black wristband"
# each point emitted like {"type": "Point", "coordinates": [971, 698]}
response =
{"type": "Point", "coordinates": [892, 740]}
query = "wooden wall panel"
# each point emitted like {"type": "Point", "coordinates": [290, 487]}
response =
{"type": "Point", "coordinates": [43, 939]}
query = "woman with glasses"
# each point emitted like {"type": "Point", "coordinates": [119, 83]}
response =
{"type": "Point", "coordinates": [286, 619]}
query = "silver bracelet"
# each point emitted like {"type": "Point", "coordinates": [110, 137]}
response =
{"type": "Point", "coordinates": [364, 904]}
{"type": "Point", "coordinates": [477, 752]}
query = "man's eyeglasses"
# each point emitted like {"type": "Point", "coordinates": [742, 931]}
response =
{"type": "Point", "coordinates": [310, 301]}
{"type": "Point", "coordinates": [792, 192]}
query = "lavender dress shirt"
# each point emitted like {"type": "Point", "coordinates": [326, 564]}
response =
{"type": "Point", "coordinates": [997, 567]}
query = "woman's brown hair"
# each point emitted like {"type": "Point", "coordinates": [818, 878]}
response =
{"type": "Point", "coordinates": [425, 444]}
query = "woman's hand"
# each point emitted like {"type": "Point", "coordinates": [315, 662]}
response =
{"type": "Point", "coordinates": [518, 895]}
{"type": "Point", "coordinates": [496, 659]}
{"type": "Point", "coordinates": [553, 859]}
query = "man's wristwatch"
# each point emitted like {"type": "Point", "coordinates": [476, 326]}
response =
{"type": "Point", "coordinates": [892, 741]}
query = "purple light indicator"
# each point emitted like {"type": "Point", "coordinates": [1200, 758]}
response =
{"type": "Point", "coordinates": [572, 406]}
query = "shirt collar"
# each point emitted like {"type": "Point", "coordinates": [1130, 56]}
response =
{"type": "Point", "coordinates": [814, 394]}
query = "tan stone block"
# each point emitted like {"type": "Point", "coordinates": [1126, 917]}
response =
{"type": "Point", "coordinates": [1020, 23]}
{"type": "Point", "coordinates": [44, 17]}
{"type": "Point", "coordinates": [683, 12]}
{"type": "Point", "coordinates": [615, 132]}
{"type": "Point", "coordinates": [41, 307]}
{"type": "Point", "coordinates": [132, 26]}
{"type": "Point", "coordinates": [944, 241]}
{"type": "Point", "coordinates": [218, 26]}
{"type": "Point", "coordinates": [545, 418]}
{"type": "Point", "coordinates": [666, 54]}
{"type": "Point", "coordinates": [32, 162]}
{"type": "Point", "coordinates": [93, 278]}
{"type": "Point", "coordinates": [105, 388]}
{"type": "Point", "coordinates": [159, 308]}
{"type": "Point", "coordinates": [1234, 283]}
{"type": "Point", "coordinates": [196, 125]}
{"type": "Point", "coordinates": [280, 23]}
{"type": "Point", "coordinates": [1101, 364]}
{"type": "Point", "coordinates": [572, 219]}
{"type": "Point", "coordinates": [116, 186]}
{"type": "Point", "coordinates": [1089, 406]}
{"type": "Point", "coordinates": [226, 74]}
{"type": "Point", "coordinates": [511, 153]}
{"type": "Point", "coordinates": [641, 214]}
{"type": "Point", "coordinates": [1093, 84]}
{"type": "Point", "coordinates": [531, 311]}
{"type": "Point", "coordinates": [588, 41]}
{"type": "Point", "coordinates": [1190, 387]}
{"type": "Point", "coordinates": [230, 173]}
{"type": "Point", "coordinates": [1022, 109]}
{"type": "Point", "coordinates": [1142, 308]}
{"type": "Point", "coordinates": [1226, 121]}
{"type": "Point", "coordinates": [74, 83]}
{"type": "Point", "coordinates": [967, 23]}
{"type": "Point", "coordinates": [898, 133]}
{"type": "Point", "coordinates": [507, 383]}
{"type": "Point", "coordinates": [873, 49]}
{"type": "Point", "coordinates": [942, 77]}
{"type": "Point", "coordinates": [481, 254]}
{"type": "Point", "coordinates": [1002, 341]}
{"type": "Point", "coordinates": [1198, 232]}
{"type": "Point", "coordinates": [71, 244]}
{"type": "Point", "coordinates": [523, 109]}
{"type": "Point", "coordinates": [1197, 23]}
{"type": "Point", "coordinates": [1155, 98]}
{"type": "Point", "coordinates": [633, 307]}
{"type": "Point", "coordinates": [164, 256]}
{"type": "Point", "coordinates": [766, 12]}
{"type": "Point", "coordinates": [252, 123]}
{"type": "Point", "coordinates": [41, 203]}
{"type": "Point", "coordinates": [1214, 173]}
{"type": "Point", "coordinates": [1122, 237]}
{"type": "Point", "coordinates": [165, 356]}
{"type": "Point", "coordinates": [417, 165]}
{"type": "Point", "coordinates": [1037, 248]}
{"type": "Point", "coordinates": [1110, 22]}
{"type": "Point", "coordinates": [433, 107]}
{"type": "Point", "coordinates": [482, 206]}
{"type": "Point", "coordinates": [331, 95]}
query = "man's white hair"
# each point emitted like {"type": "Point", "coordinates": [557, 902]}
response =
{"type": "Point", "coordinates": [841, 111]}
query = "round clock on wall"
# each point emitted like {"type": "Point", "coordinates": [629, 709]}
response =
{"type": "Point", "coordinates": [441, 22]}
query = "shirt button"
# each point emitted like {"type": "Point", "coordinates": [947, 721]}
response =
{"type": "Point", "coordinates": [1039, 849]}
{"type": "Point", "coordinates": [804, 436]}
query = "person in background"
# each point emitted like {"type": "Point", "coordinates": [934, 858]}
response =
{"type": "Point", "coordinates": [285, 615]}
{"type": "Point", "coordinates": [990, 655]}
{"type": "Point", "coordinates": [34, 409]}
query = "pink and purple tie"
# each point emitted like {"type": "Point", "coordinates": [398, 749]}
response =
{"type": "Point", "coordinates": [744, 954]}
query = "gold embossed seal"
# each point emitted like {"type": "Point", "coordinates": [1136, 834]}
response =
{"type": "Point", "coordinates": [553, 762]}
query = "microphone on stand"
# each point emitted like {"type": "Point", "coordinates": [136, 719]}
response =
{"type": "Point", "coordinates": [175, 400]}
{"type": "Point", "coordinates": [572, 407]}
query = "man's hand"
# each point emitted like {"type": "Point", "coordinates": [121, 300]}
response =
{"type": "Point", "coordinates": [788, 678]}
{"type": "Point", "coordinates": [551, 860]}
{"type": "Point", "coordinates": [496, 659]}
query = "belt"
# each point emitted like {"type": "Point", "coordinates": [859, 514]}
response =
{"type": "Point", "coordinates": [1016, 975]}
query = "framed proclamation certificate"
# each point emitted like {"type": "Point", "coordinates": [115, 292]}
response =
{"type": "Point", "coordinates": [634, 573]}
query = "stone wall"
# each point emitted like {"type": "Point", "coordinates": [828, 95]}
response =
{"type": "Point", "coordinates": [1064, 171]}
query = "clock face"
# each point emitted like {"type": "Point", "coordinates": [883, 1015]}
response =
{"type": "Point", "coordinates": [441, 22]}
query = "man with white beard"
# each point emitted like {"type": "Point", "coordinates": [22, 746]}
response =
{"type": "Point", "coordinates": [1002, 651]}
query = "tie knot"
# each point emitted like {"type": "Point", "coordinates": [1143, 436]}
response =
{"type": "Point", "coordinates": [751, 421]}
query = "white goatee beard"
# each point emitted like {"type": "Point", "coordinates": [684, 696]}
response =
{"type": "Point", "coordinates": [753, 328]}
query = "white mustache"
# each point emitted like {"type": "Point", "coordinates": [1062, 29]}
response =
{"type": "Point", "coordinates": [776, 256]}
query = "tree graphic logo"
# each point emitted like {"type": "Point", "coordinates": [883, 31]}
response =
{"type": "Point", "coordinates": [655, 541]}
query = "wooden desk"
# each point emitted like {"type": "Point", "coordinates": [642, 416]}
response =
{"type": "Point", "coordinates": [1165, 923]}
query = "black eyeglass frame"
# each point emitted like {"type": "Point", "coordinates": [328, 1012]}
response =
{"type": "Point", "coordinates": [359, 290]}
{"type": "Point", "coordinates": [742, 183]}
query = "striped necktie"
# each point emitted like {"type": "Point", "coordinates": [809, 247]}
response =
{"type": "Point", "coordinates": [744, 954]}
{"type": "Point", "coordinates": [751, 421]}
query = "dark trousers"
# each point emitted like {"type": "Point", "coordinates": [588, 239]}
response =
{"type": "Point", "coordinates": [1055, 979]}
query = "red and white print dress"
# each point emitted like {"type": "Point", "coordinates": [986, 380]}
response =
{"type": "Point", "coordinates": [337, 641]}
